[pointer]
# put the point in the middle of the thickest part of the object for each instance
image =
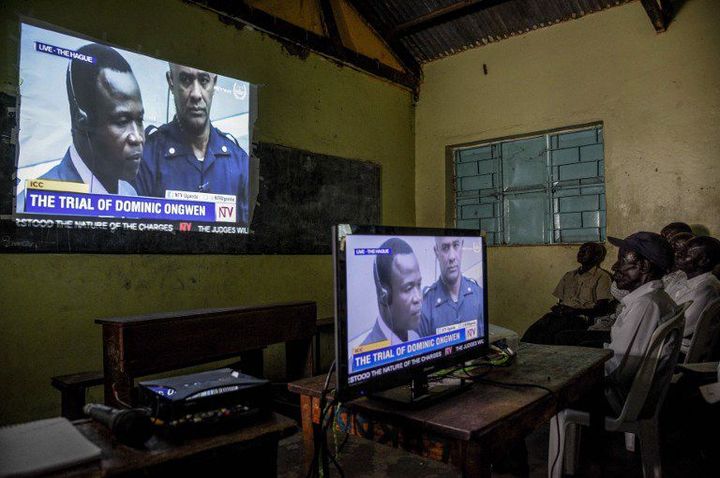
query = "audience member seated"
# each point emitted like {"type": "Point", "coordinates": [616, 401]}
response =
{"type": "Point", "coordinates": [643, 259]}
{"type": "Point", "coordinates": [597, 334]}
{"type": "Point", "coordinates": [674, 281]}
{"type": "Point", "coordinates": [583, 293]}
{"type": "Point", "coordinates": [700, 257]}
{"type": "Point", "coordinates": [673, 228]}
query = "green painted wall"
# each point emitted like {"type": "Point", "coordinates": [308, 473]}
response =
{"type": "Point", "coordinates": [48, 302]}
{"type": "Point", "coordinates": [657, 94]}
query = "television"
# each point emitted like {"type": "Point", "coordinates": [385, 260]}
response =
{"type": "Point", "coordinates": [408, 302]}
{"type": "Point", "coordinates": [118, 141]}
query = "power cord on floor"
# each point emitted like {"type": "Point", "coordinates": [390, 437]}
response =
{"type": "Point", "coordinates": [318, 466]}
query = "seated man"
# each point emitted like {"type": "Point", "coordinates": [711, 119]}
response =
{"type": "Point", "coordinates": [702, 254]}
{"type": "Point", "coordinates": [643, 259]}
{"type": "Point", "coordinates": [582, 293]}
{"type": "Point", "coordinates": [673, 228]}
{"type": "Point", "coordinates": [675, 281]}
{"type": "Point", "coordinates": [598, 333]}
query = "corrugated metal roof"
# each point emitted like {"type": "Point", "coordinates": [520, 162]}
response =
{"type": "Point", "coordinates": [496, 22]}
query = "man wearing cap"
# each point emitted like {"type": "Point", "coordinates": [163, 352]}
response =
{"type": "Point", "coordinates": [643, 259]}
{"type": "Point", "coordinates": [701, 255]}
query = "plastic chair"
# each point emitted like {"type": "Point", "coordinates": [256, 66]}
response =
{"type": "Point", "coordinates": [640, 410]}
{"type": "Point", "coordinates": [706, 339]}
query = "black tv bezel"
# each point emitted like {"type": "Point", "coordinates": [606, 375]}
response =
{"type": "Point", "coordinates": [345, 391]}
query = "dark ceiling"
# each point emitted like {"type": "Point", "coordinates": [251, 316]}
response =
{"type": "Point", "coordinates": [432, 29]}
{"type": "Point", "coordinates": [419, 31]}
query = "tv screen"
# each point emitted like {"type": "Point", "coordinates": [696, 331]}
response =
{"type": "Point", "coordinates": [114, 140]}
{"type": "Point", "coordinates": [408, 301]}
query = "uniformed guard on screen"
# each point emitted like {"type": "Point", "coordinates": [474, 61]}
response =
{"type": "Point", "coordinates": [453, 298]}
{"type": "Point", "coordinates": [399, 297]}
{"type": "Point", "coordinates": [189, 154]}
{"type": "Point", "coordinates": [106, 114]}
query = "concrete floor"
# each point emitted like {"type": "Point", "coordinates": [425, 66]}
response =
{"type": "Point", "coordinates": [604, 457]}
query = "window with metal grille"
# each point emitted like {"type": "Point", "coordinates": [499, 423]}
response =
{"type": "Point", "coordinates": [541, 189]}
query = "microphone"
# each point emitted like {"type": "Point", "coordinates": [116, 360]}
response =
{"type": "Point", "coordinates": [131, 426]}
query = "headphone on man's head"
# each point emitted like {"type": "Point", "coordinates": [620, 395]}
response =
{"type": "Point", "coordinates": [382, 292]}
{"type": "Point", "coordinates": [80, 117]}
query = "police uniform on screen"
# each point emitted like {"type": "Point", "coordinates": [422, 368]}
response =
{"type": "Point", "coordinates": [439, 310]}
{"type": "Point", "coordinates": [169, 164]}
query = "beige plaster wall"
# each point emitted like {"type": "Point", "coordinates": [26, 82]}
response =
{"type": "Point", "coordinates": [658, 96]}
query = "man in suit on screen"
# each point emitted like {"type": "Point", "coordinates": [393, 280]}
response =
{"type": "Point", "coordinates": [399, 297]}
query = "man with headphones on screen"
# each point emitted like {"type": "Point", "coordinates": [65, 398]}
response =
{"type": "Point", "coordinates": [399, 296]}
{"type": "Point", "coordinates": [106, 113]}
{"type": "Point", "coordinates": [453, 298]}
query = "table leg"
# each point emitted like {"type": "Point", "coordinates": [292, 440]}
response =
{"type": "Point", "coordinates": [477, 462]}
{"type": "Point", "coordinates": [306, 413]}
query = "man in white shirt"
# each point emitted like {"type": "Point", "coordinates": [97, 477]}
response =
{"type": "Point", "coordinates": [702, 254]}
{"type": "Point", "coordinates": [643, 259]}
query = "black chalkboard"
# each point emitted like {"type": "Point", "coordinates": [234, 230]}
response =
{"type": "Point", "coordinates": [300, 195]}
{"type": "Point", "coordinates": [303, 194]}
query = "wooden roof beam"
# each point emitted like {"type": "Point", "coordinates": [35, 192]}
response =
{"type": "Point", "coordinates": [331, 28]}
{"type": "Point", "coordinates": [443, 15]}
{"type": "Point", "coordinates": [238, 12]}
{"type": "Point", "coordinates": [407, 59]}
{"type": "Point", "coordinates": [660, 13]}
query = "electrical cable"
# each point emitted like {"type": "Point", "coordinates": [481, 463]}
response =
{"type": "Point", "coordinates": [321, 440]}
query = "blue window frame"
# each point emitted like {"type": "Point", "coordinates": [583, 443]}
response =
{"type": "Point", "coordinates": [540, 189]}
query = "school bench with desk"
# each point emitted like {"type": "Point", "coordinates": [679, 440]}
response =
{"type": "Point", "coordinates": [137, 346]}
{"type": "Point", "coordinates": [134, 347]}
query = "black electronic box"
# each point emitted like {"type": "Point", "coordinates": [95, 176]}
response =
{"type": "Point", "coordinates": [205, 401]}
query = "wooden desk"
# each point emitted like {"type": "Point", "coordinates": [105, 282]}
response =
{"type": "Point", "coordinates": [469, 429]}
{"type": "Point", "coordinates": [205, 456]}
{"type": "Point", "coordinates": [155, 343]}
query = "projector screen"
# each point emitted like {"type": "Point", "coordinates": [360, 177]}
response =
{"type": "Point", "coordinates": [114, 140]}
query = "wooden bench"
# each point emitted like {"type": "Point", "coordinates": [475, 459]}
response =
{"type": "Point", "coordinates": [138, 346]}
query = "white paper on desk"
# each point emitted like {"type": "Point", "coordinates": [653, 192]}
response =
{"type": "Point", "coordinates": [41, 446]}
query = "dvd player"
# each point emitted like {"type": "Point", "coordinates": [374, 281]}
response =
{"type": "Point", "coordinates": [205, 400]}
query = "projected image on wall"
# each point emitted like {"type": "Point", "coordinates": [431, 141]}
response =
{"type": "Point", "coordinates": [108, 135]}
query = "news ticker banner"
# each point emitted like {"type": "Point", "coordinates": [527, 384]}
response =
{"type": "Point", "coordinates": [406, 350]}
{"type": "Point", "coordinates": [69, 203]}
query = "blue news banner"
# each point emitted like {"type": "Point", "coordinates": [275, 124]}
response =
{"type": "Point", "coordinates": [102, 205]}
{"type": "Point", "coordinates": [406, 350]}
